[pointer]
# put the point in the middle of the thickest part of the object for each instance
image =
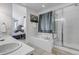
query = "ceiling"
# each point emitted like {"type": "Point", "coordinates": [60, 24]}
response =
{"type": "Point", "coordinates": [38, 6]}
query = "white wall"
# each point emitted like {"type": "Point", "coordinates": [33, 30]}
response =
{"type": "Point", "coordinates": [32, 28]}
{"type": "Point", "coordinates": [5, 15]}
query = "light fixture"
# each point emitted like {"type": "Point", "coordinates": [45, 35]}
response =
{"type": "Point", "coordinates": [43, 5]}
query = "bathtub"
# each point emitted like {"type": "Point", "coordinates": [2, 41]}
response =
{"type": "Point", "coordinates": [42, 42]}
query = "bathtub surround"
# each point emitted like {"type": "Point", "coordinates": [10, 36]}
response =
{"type": "Point", "coordinates": [43, 41]}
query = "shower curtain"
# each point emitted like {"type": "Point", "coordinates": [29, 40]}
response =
{"type": "Point", "coordinates": [45, 23]}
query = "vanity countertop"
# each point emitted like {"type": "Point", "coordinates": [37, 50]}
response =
{"type": "Point", "coordinates": [25, 49]}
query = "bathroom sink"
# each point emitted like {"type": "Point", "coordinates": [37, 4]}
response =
{"type": "Point", "coordinates": [9, 48]}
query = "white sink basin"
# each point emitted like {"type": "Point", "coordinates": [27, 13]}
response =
{"type": "Point", "coordinates": [9, 48]}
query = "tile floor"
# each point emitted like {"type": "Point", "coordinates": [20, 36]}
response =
{"type": "Point", "coordinates": [38, 51]}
